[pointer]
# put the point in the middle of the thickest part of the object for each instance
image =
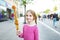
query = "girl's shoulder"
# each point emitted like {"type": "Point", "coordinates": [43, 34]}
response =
{"type": "Point", "coordinates": [25, 25]}
{"type": "Point", "coordinates": [29, 25]}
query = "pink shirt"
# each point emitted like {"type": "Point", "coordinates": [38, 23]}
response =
{"type": "Point", "coordinates": [29, 33]}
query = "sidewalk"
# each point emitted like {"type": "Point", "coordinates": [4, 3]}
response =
{"type": "Point", "coordinates": [8, 30]}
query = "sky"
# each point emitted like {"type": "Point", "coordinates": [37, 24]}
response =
{"type": "Point", "coordinates": [41, 5]}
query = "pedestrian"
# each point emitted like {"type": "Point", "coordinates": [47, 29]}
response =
{"type": "Point", "coordinates": [54, 20]}
{"type": "Point", "coordinates": [39, 17]}
{"type": "Point", "coordinates": [12, 16]}
{"type": "Point", "coordinates": [30, 29]}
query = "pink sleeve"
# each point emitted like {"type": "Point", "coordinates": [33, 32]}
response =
{"type": "Point", "coordinates": [36, 34]}
{"type": "Point", "coordinates": [22, 34]}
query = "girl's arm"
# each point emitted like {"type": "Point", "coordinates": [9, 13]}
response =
{"type": "Point", "coordinates": [36, 34]}
{"type": "Point", "coordinates": [21, 34]}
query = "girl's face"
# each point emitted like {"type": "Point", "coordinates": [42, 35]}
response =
{"type": "Point", "coordinates": [29, 17]}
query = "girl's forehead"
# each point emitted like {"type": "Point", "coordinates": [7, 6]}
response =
{"type": "Point", "coordinates": [28, 13]}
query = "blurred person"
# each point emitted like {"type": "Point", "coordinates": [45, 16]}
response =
{"type": "Point", "coordinates": [54, 19]}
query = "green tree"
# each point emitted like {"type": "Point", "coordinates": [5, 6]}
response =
{"type": "Point", "coordinates": [3, 12]}
{"type": "Point", "coordinates": [24, 2]}
{"type": "Point", "coordinates": [21, 15]}
{"type": "Point", "coordinates": [55, 8]}
{"type": "Point", "coordinates": [47, 11]}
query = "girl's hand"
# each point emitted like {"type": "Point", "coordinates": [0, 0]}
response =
{"type": "Point", "coordinates": [18, 32]}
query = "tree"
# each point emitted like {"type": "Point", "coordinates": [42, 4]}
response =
{"type": "Point", "coordinates": [55, 8]}
{"type": "Point", "coordinates": [3, 12]}
{"type": "Point", "coordinates": [21, 15]}
{"type": "Point", "coordinates": [24, 2]}
{"type": "Point", "coordinates": [47, 11]}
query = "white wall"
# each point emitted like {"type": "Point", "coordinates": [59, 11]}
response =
{"type": "Point", "coordinates": [4, 8]}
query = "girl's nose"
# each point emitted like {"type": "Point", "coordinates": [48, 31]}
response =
{"type": "Point", "coordinates": [28, 17]}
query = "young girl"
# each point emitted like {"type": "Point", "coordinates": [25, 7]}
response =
{"type": "Point", "coordinates": [30, 30]}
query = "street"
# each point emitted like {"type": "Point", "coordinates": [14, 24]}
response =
{"type": "Point", "coordinates": [8, 31]}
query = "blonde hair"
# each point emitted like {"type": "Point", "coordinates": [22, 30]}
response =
{"type": "Point", "coordinates": [34, 15]}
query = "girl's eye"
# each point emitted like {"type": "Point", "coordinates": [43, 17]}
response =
{"type": "Point", "coordinates": [30, 15]}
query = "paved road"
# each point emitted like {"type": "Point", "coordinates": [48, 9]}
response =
{"type": "Point", "coordinates": [50, 23]}
{"type": "Point", "coordinates": [47, 34]}
{"type": "Point", "coordinates": [8, 32]}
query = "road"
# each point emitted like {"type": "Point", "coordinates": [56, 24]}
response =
{"type": "Point", "coordinates": [8, 32]}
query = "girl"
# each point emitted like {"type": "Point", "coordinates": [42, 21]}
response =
{"type": "Point", "coordinates": [30, 30]}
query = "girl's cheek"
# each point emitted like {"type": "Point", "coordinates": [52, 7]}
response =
{"type": "Point", "coordinates": [32, 18]}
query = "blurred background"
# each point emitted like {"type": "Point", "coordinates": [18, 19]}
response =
{"type": "Point", "coordinates": [46, 11]}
